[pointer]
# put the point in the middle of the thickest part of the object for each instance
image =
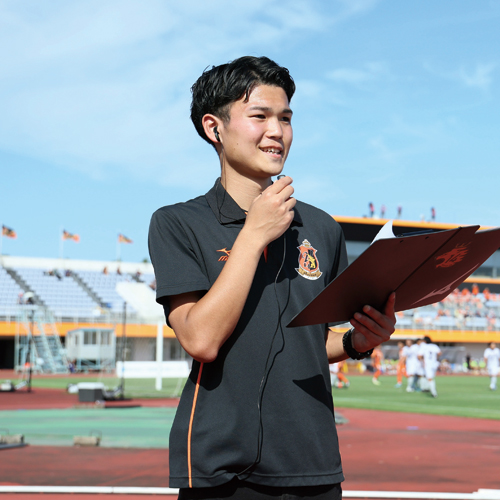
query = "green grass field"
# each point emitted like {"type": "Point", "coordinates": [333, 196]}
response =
{"type": "Point", "coordinates": [134, 388]}
{"type": "Point", "coordinates": [466, 396]}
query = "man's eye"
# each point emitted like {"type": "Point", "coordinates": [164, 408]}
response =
{"type": "Point", "coordinates": [260, 117]}
{"type": "Point", "coordinates": [286, 119]}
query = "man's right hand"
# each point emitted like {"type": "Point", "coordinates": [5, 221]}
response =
{"type": "Point", "coordinates": [203, 322]}
{"type": "Point", "coordinates": [271, 213]}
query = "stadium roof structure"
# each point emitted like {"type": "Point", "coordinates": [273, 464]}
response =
{"type": "Point", "coordinates": [366, 228]}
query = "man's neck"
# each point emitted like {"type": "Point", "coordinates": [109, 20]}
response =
{"type": "Point", "coordinates": [244, 190]}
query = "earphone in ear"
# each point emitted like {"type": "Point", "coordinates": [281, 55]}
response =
{"type": "Point", "coordinates": [216, 133]}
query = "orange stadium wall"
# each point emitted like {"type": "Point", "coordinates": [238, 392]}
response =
{"type": "Point", "coordinates": [9, 329]}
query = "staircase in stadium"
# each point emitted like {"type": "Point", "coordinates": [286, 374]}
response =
{"type": "Point", "coordinates": [46, 354]}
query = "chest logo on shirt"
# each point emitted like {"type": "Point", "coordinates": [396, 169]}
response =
{"type": "Point", "coordinates": [225, 251]}
{"type": "Point", "coordinates": [308, 262]}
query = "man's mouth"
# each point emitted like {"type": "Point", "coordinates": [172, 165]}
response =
{"type": "Point", "coordinates": [274, 151]}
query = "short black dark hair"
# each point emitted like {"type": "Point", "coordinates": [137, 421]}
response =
{"type": "Point", "coordinates": [217, 88]}
{"type": "Point", "coordinates": [427, 340]}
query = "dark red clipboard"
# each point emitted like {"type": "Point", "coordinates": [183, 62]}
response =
{"type": "Point", "coordinates": [421, 269]}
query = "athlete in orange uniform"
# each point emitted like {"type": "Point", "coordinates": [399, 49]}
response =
{"type": "Point", "coordinates": [342, 379]}
{"type": "Point", "coordinates": [377, 365]}
{"type": "Point", "coordinates": [401, 366]}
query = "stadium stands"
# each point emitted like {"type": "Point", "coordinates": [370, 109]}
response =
{"type": "Point", "coordinates": [90, 293]}
{"type": "Point", "coordinates": [104, 286]}
{"type": "Point", "coordinates": [78, 290]}
{"type": "Point", "coordinates": [10, 293]}
{"type": "Point", "coordinates": [59, 292]}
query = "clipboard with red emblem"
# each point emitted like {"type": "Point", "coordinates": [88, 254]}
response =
{"type": "Point", "coordinates": [421, 269]}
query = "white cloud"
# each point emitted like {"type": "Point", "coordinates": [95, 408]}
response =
{"type": "Point", "coordinates": [369, 72]}
{"type": "Point", "coordinates": [355, 8]}
{"type": "Point", "coordinates": [103, 86]}
{"type": "Point", "coordinates": [481, 77]}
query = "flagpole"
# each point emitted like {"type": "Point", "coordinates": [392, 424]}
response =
{"type": "Point", "coordinates": [1, 242]}
{"type": "Point", "coordinates": [61, 244]}
{"type": "Point", "coordinates": [118, 249]}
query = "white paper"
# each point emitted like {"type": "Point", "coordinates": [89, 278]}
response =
{"type": "Point", "coordinates": [385, 232]}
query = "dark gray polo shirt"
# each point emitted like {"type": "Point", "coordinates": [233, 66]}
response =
{"type": "Point", "coordinates": [216, 433]}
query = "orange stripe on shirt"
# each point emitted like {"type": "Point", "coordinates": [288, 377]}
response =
{"type": "Point", "coordinates": [191, 425]}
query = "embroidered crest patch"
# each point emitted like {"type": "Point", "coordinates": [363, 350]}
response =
{"type": "Point", "coordinates": [308, 262]}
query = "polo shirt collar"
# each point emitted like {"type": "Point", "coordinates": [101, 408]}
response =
{"type": "Point", "coordinates": [227, 211]}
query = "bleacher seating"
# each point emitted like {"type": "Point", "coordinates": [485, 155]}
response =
{"type": "Point", "coordinates": [445, 322]}
{"type": "Point", "coordinates": [61, 293]}
{"type": "Point", "coordinates": [87, 293]}
{"type": "Point", "coordinates": [10, 292]}
{"type": "Point", "coordinates": [104, 286]}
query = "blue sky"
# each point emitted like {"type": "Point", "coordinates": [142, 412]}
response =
{"type": "Point", "coordinates": [397, 103]}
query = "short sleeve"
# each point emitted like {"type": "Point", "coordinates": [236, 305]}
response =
{"type": "Point", "coordinates": [174, 258]}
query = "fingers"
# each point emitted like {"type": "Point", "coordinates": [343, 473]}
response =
{"type": "Point", "coordinates": [389, 309]}
{"type": "Point", "coordinates": [374, 326]}
{"type": "Point", "coordinates": [282, 185]}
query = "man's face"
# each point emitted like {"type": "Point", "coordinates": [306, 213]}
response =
{"type": "Point", "coordinates": [258, 136]}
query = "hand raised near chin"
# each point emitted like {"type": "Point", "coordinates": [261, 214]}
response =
{"type": "Point", "coordinates": [271, 213]}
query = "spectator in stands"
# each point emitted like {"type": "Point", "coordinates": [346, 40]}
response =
{"type": "Point", "coordinates": [105, 270]}
{"type": "Point", "coordinates": [118, 271]}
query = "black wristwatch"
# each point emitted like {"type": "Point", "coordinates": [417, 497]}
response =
{"type": "Point", "coordinates": [349, 349]}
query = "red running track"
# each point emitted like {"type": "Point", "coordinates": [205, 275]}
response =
{"type": "Point", "coordinates": [381, 451]}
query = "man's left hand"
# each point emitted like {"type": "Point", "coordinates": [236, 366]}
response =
{"type": "Point", "coordinates": [372, 327]}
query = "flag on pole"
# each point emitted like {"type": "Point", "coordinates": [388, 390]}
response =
{"type": "Point", "coordinates": [69, 236]}
{"type": "Point", "coordinates": [7, 231]}
{"type": "Point", "coordinates": [123, 239]}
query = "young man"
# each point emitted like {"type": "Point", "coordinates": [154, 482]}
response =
{"type": "Point", "coordinates": [233, 267]}
{"type": "Point", "coordinates": [491, 358]}
{"type": "Point", "coordinates": [429, 355]}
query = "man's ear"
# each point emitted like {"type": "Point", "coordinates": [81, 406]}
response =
{"type": "Point", "coordinates": [211, 122]}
